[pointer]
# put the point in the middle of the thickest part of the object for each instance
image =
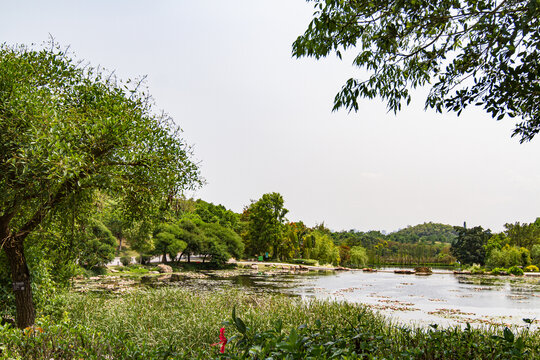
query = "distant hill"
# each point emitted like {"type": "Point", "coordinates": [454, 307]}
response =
{"type": "Point", "coordinates": [426, 232]}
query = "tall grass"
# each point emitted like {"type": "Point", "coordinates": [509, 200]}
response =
{"type": "Point", "coordinates": [190, 320]}
{"type": "Point", "coordinates": [174, 323]}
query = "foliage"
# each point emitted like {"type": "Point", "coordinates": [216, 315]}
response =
{"type": "Point", "coordinates": [359, 256]}
{"type": "Point", "coordinates": [324, 249]}
{"type": "Point", "coordinates": [476, 269]}
{"type": "Point", "coordinates": [231, 241]}
{"type": "Point", "coordinates": [210, 213]}
{"type": "Point", "coordinates": [411, 246]}
{"type": "Point", "coordinates": [360, 338]}
{"type": "Point", "coordinates": [496, 242]}
{"type": "Point", "coordinates": [523, 235]}
{"type": "Point", "coordinates": [499, 271]}
{"type": "Point", "coordinates": [508, 256]}
{"type": "Point", "coordinates": [426, 232]}
{"type": "Point", "coordinates": [178, 324]}
{"type": "Point", "coordinates": [99, 245]}
{"type": "Point", "coordinates": [125, 260]}
{"type": "Point", "coordinates": [532, 268]}
{"type": "Point", "coordinates": [535, 254]}
{"type": "Point", "coordinates": [344, 254]}
{"type": "Point", "coordinates": [168, 240]}
{"type": "Point", "coordinates": [482, 53]}
{"type": "Point", "coordinates": [266, 218]}
{"type": "Point", "coordinates": [469, 245]}
{"type": "Point", "coordinates": [514, 270]}
{"type": "Point", "coordinates": [309, 262]}
{"type": "Point", "coordinates": [68, 132]}
{"type": "Point", "coordinates": [143, 259]}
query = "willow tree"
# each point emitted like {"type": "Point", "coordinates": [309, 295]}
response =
{"type": "Point", "coordinates": [68, 131]}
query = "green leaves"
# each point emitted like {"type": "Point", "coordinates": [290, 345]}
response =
{"type": "Point", "coordinates": [65, 129]}
{"type": "Point", "coordinates": [472, 52]}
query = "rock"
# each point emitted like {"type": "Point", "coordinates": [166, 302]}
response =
{"type": "Point", "coordinates": [407, 272]}
{"type": "Point", "coordinates": [255, 267]}
{"type": "Point", "coordinates": [162, 268]}
{"type": "Point", "coordinates": [341, 268]}
{"type": "Point", "coordinates": [423, 269]}
{"type": "Point", "coordinates": [369, 270]}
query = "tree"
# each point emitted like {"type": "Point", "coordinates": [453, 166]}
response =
{"type": "Point", "coordinates": [482, 53]}
{"type": "Point", "coordinates": [231, 241]}
{"type": "Point", "coordinates": [324, 249]}
{"type": "Point", "coordinates": [359, 256]}
{"type": "Point", "coordinates": [469, 247]}
{"type": "Point", "coordinates": [99, 245]}
{"type": "Point", "coordinates": [266, 218]}
{"type": "Point", "coordinates": [525, 235]}
{"type": "Point", "coordinates": [68, 131]}
{"type": "Point", "coordinates": [168, 241]}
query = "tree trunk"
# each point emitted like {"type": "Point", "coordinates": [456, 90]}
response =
{"type": "Point", "coordinates": [120, 240]}
{"type": "Point", "coordinates": [20, 276]}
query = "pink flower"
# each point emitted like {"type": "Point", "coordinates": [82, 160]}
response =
{"type": "Point", "coordinates": [222, 340]}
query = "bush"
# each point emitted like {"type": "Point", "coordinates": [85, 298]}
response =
{"type": "Point", "coordinates": [309, 262]}
{"type": "Point", "coordinates": [532, 268]}
{"type": "Point", "coordinates": [499, 271]}
{"type": "Point", "coordinates": [508, 256]}
{"type": "Point", "coordinates": [125, 260]}
{"type": "Point", "coordinates": [477, 269]}
{"type": "Point", "coordinates": [514, 270]}
{"type": "Point", "coordinates": [143, 259]}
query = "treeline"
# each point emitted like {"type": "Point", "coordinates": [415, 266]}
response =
{"type": "Point", "coordinates": [196, 227]}
{"type": "Point", "coordinates": [517, 246]}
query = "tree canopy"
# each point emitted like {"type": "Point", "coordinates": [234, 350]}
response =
{"type": "Point", "coordinates": [68, 130]}
{"type": "Point", "coordinates": [266, 228]}
{"type": "Point", "coordinates": [471, 52]}
{"type": "Point", "coordinates": [469, 247]}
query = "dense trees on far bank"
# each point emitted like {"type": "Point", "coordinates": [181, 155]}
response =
{"type": "Point", "coordinates": [517, 245]}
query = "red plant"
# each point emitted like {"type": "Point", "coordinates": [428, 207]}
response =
{"type": "Point", "coordinates": [222, 340]}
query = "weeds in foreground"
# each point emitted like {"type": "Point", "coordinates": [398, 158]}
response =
{"type": "Point", "coordinates": [180, 324]}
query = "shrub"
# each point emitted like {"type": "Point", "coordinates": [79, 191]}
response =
{"type": "Point", "coordinates": [477, 269]}
{"type": "Point", "coordinates": [532, 268]}
{"type": "Point", "coordinates": [309, 262]}
{"type": "Point", "coordinates": [508, 256]}
{"type": "Point", "coordinates": [499, 271]}
{"type": "Point", "coordinates": [143, 259]}
{"type": "Point", "coordinates": [125, 260]}
{"type": "Point", "coordinates": [514, 270]}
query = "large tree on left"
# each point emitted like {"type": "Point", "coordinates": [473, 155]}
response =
{"type": "Point", "coordinates": [68, 131]}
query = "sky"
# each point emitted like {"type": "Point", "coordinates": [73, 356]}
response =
{"type": "Point", "coordinates": [260, 120]}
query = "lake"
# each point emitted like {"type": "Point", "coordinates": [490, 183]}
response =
{"type": "Point", "coordinates": [443, 298]}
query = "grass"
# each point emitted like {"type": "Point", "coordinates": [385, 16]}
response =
{"type": "Point", "coordinates": [174, 323]}
{"type": "Point", "coordinates": [187, 320]}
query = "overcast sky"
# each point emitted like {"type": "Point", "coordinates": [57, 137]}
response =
{"type": "Point", "coordinates": [261, 121]}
